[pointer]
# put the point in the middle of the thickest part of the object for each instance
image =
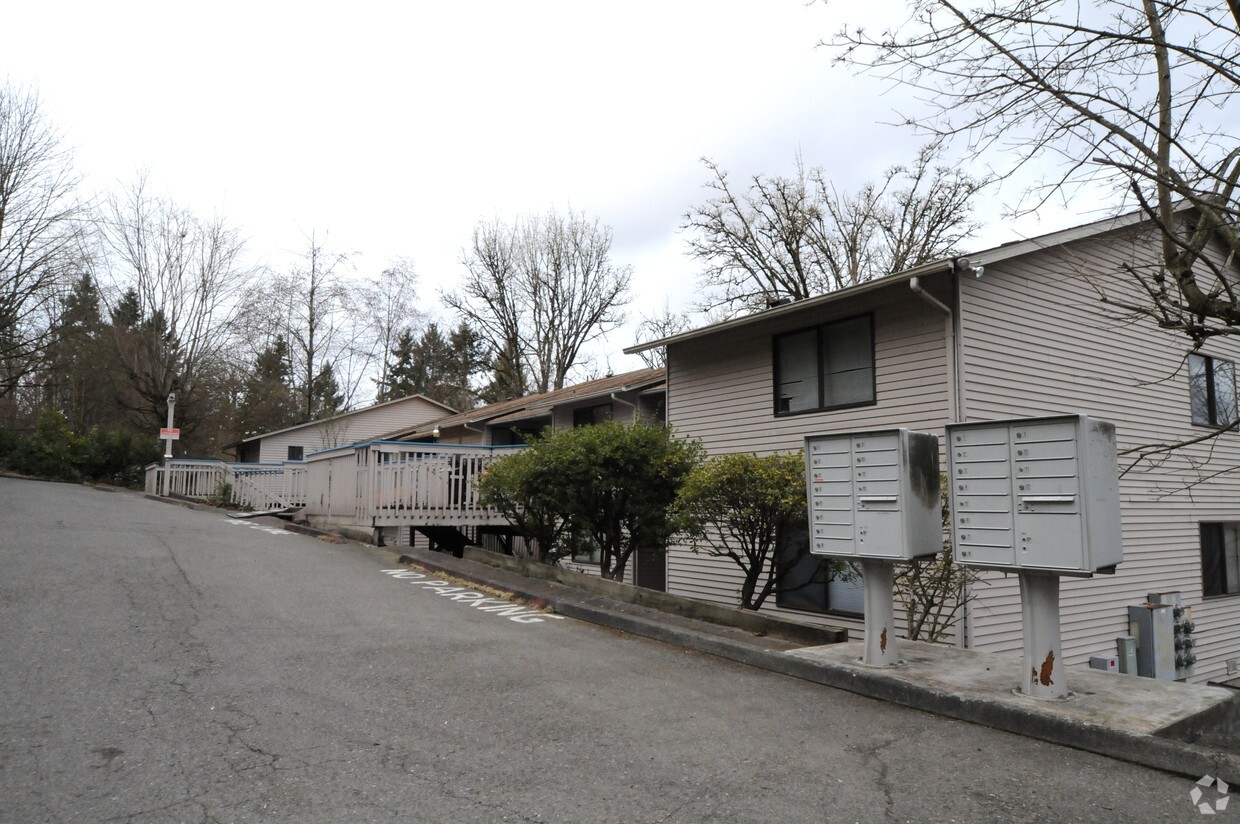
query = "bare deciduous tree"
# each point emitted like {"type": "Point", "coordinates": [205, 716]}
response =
{"type": "Point", "coordinates": [1136, 95]}
{"type": "Point", "coordinates": [540, 290]}
{"type": "Point", "coordinates": [182, 279]}
{"type": "Point", "coordinates": [40, 226]}
{"type": "Point", "coordinates": [323, 316]}
{"type": "Point", "coordinates": [799, 236]}
{"type": "Point", "coordinates": [391, 304]}
{"type": "Point", "coordinates": [662, 324]}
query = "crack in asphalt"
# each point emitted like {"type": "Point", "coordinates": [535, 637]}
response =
{"type": "Point", "coordinates": [871, 755]}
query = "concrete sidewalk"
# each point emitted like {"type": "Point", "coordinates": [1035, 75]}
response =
{"type": "Point", "coordinates": [1181, 728]}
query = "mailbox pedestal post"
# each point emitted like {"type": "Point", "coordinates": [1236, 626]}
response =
{"type": "Point", "coordinates": [1043, 660]}
{"type": "Point", "coordinates": [881, 647]}
{"type": "Point", "coordinates": [1038, 497]}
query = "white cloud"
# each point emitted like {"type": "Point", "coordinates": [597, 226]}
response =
{"type": "Point", "coordinates": [395, 127]}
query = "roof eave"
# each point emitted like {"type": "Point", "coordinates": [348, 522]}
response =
{"type": "Point", "coordinates": [796, 306]}
{"type": "Point", "coordinates": [995, 254]}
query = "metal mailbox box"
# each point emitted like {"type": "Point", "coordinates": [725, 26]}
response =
{"type": "Point", "coordinates": [874, 494]}
{"type": "Point", "coordinates": [1035, 494]}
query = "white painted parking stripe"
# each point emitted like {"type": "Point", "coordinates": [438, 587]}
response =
{"type": "Point", "coordinates": [270, 530]}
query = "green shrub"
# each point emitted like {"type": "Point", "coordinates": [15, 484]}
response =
{"type": "Point", "coordinates": [742, 506]}
{"type": "Point", "coordinates": [54, 451]}
{"type": "Point", "coordinates": [610, 488]}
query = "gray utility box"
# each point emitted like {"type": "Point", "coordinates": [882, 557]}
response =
{"type": "Point", "coordinates": [1154, 627]}
{"type": "Point", "coordinates": [874, 494]}
{"type": "Point", "coordinates": [1035, 494]}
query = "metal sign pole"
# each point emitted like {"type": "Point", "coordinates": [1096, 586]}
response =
{"type": "Point", "coordinates": [172, 404]}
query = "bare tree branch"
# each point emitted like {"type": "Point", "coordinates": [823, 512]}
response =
{"type": "Point", "coordinates": [41, 227]}
{"type": "Point", "coordinates": [539, 291]}
{"type": "Point", "coordinates": [1136, 95]}
{"type": "Point", "coordinates": [790, 238]}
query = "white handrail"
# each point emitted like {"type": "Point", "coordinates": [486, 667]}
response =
{"type": "Point", "coordinates": [380, 483]}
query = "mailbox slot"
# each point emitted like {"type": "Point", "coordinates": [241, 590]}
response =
{"type": "Point", "coordinates": [874, 494]}
{"type": "Point", "coordinates": [1035, 494]}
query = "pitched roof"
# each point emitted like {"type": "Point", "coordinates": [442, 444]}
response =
{"type": "Point", "coordinates": [348, 414]}
{"type": "Point", "coordinates": [540, 405]}
{"type": "Point", "coordinates": [995, 254]}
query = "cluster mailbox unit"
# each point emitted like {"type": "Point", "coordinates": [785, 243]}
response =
{"type": "Point", "coordinates": [875, 497]}
{"type": "Point", "coordinates": [874, 494]}
{"type": "Point", "coordinates": [1038, 497]}
{"type": "Point", "coordinates": [1036, 494]}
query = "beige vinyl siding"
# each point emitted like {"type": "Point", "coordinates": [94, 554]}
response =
{"type": "Point", "coordinates": [274, 448]}
{"type": "Point", "coordinates": [362, 425]}
{"type": "Point", "coordinates": [1035, 340]}
{"type": "Point", "coordinates": [720, 390]}
{"type": "Point", "coordinates": [463, 437]}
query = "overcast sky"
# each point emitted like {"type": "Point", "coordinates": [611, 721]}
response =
{"type": "Point", "coordinates": [395, 127]}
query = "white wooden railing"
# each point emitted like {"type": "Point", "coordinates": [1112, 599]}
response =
{"type": "Point", "coordinates": [386, 483]}
{"type": "Point", "coordinates": [379, 483]}
{"type": "Point", "coordinates": [251, 486]}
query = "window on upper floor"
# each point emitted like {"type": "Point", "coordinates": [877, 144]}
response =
{"type": "Point", "coordinates": [296, 453]}
{"type": "Point", "coordinates": [1212, 390]}
{"type": "Point", "coordinates": [1220, 559]}
{"type": "Point", "coordinates": [827, 367]}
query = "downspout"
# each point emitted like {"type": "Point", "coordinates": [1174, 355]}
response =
{"type": "Point", "coordinates": [629, 404]}
{"type": "Point", "coordinates": [954, 403]}
{"type": "Point", "coordinates": [954, 400]}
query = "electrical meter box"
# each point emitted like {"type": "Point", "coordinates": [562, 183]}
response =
{"type": "Point", "coordinates": [1035, 494]}
{"type": "Point", "coordinates": [874, 494]}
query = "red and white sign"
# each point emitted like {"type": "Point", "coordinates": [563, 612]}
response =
{"type": "Point", "coordinates": [169, 434]}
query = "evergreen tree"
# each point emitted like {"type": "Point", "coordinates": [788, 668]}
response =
{"type": "Point", "coordinates": [326, 399]}
{"type": "Point", "coordinates": [467, 353]}
{"type": "Point", "coordinates": [508, 378]}
{"type": "Point", "coordinates": [127, 313]}
{"type": "Point", "coordinates": [404, 368]}
{"type": "Point", "coordinates": [267, 399]}
{"type": "Point", "coordinates": [77, 380]}
{"type": "Point", "coordinates": [439, 367]}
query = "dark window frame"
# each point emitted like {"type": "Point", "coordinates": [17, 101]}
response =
{"type": "Point", "coordinates": [1214, 579]}
{"type": "Point", "coordinates": [820, 331]}
{"type": "Point", "coordinates": [593, 412]}
{"type": "Point", "coordinates": [811, 578]}
{"type": "Point", "coordinates": [1212, 417]}
{"type": "Point", "coordinates": [300, 452]}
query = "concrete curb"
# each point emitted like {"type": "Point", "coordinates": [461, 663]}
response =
{"type": "Point", "coordinates": [758, 624]}
{"type": "Point", "coordinates": [1150, 751]}
{"type": "Point", "coordinates": [177, 502]}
